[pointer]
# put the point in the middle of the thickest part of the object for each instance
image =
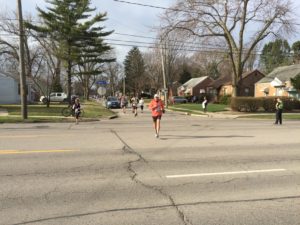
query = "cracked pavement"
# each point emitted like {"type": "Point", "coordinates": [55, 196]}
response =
{"type": "Point", "coordinates": [115, 172]}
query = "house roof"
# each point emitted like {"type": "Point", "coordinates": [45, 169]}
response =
{"type": "Point", "coordinates": [223, 80]}
{"type": "Point", "coordinates": [227, 79]}
{"type": "Point", "coordinates": [4, 74]}
{"type": "Point", "coordinates": [283, 73]}
{"type": "Point", "coordinates": [193, 82]}
{"type": "Point", "coordinates": [246, 74]}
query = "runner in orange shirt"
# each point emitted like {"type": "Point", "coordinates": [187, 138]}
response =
{"type": "Point", "coordinates": [157, 108]}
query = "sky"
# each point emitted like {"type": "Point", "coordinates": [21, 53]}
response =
{"type": "Point", "coordinates": [125, 19]}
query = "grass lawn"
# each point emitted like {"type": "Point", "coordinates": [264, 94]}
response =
{"type": "Point", "coordinates": [197, 108]}
{"type": "Point", "coordinates": [40, 113]}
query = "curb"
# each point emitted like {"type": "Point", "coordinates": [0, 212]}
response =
{"type": "Point", "coordinates": [113, 117]}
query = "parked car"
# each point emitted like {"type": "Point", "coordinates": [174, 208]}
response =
{"type": "Point", "coordinates": [54, 97]}
{"type": "Point", "coordinates": [112, 102]}
{"type": "Point", "coordinates": [178, 99]}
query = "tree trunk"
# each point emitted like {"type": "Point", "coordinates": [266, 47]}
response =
{"type": "Point", "coordinates": [69, 81]}
{"type": "Point", "coordinates": [86, 88]}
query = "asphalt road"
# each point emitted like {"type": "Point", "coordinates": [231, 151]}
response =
{"type": "Point", "coordinates": [200, 171]}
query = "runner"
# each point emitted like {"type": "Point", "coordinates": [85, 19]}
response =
{"type": "Point", "coordinates": [134, 102]}
{"type": "Point", "coordinates": [123, 103]}
{"type": "Point", "coordinates": [76, 107]}
{"type": "Point", "coordinates": [157, 108]}
{"type": "Point", "coordinates": [141, 103]}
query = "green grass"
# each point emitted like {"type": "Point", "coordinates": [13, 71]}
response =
{"type": "Point", "coordinates": [18, 119]}
{"type": "Point", "coordinates": [35, 110]}
{"type": "Point", "coordinates": [189, 107]}
{"type": "Point", "coordinates": [40, 113]}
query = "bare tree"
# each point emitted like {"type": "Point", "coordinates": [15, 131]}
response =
{"type": "Point", "coordinates": [240, 24]}
{"type": "Point", "coordinates": [114, 72]}
{"type": "Point", "coordinates": [153, 68]}
{"type": "Point", "coordinates": [41, 66]}
{"type": "Point", "coordinates": [35, 55]}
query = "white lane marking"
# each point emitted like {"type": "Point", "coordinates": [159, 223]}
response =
{"type": "Point", "coordinates": [225, 173]}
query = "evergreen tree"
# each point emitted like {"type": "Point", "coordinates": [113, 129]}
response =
{"type": "Point", "coordinates": [185, 75]}
{"type": "Point", "coordinates": [212, 70]}
{"type": "Point", "coordinates": [275, 54]}
{"type": "Point", "coordinates": [134, 71]}
{"type": "Point", "coordinates": [296, 82]}
{"type": "Point", "coordinates": [296, 50]}
{"type": "Point", "coordinates": [56, 86]}
{"type": "Point", "coordinates": [93, 51]}
{"type": "Point", "coordinates": [74, 39]}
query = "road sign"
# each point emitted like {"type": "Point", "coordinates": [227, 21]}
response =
{"type": "Point", "coordinates": [101, 82]}
{"type": "Point", "coordinates": [101, 90]}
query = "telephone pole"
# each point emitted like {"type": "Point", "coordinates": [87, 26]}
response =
{"type": "Point", "coordinates": [23, 87]}
{"type": "Point", "coordinates": [163, 64]}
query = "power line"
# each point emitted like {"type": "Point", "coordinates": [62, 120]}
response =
{"type": "Point", "coordinates": [190, 11]}
{"type": "Point", "coordinates": [206, 48]}
{"type": "Point", "coordinates": [209, 51]}
{"type": "Point", "coordinates": [193, 45]}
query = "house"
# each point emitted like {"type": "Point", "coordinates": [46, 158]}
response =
{"type": "Point", "coordinates": [246, 86]}
{"type": "Point", "coordinates": [194, 86]}
{"type": "Point", "coordinates": [10, 89]}
{"type": "Point", "coordinates": [278, 82]}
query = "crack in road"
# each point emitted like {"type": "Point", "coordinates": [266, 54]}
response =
{"type": "Point", "coordinates": [128, 149]}
{"type": "Point", "coordinates": [157, 207]}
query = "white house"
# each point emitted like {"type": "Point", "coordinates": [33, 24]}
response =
{"type": "Point", "coordinates": [10, 89]}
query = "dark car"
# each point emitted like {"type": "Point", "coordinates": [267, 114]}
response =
{"type": "Point", "coordinates": [112, 103]}
{"type": "Point", "coordinates": [178, 99]}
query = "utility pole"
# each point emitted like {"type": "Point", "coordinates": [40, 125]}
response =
{"type": "Point", "coordinates": [163, 64]}
{"type": "Point", "coordinates": [23, 87]}
{"type": "Point", "coordinates": [124, 77]}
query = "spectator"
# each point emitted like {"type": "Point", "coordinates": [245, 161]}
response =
{"type": "Point", "coordinates": [279, 108]}
{"type": "Point", "coordinates": [204, 104]}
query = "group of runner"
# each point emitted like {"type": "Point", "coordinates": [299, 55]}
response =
{"type": "Point", "coordinates": [156, 107]}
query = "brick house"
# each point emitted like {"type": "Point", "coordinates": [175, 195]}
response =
{"type": "Point", "coordinates": [246, 86]}
{"type": "Point", "coordinates": [278, 82]}
{"type": "Point", "coordinates": [194, 86]}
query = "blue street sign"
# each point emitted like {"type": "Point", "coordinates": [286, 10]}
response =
{"type": "Point", "coordinates": [101, 82]}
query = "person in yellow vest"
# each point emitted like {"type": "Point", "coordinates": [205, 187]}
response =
{"type": "Point", "coordinates": [279, 108]}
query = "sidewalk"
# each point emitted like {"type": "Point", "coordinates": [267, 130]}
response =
{"type": "Point", "coordinates": [225, 114]}
{"type": "Point", "coordinates": [3, 112]}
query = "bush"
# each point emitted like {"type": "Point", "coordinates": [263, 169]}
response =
{"type": "Point", "coordinates": [251, 104]}
{"type": "Point", "coordinates": [225, 100]}
{"type": "Point", "coordinates": [268, 104]}
{"type": "Point", "coordinates": [245, 104]}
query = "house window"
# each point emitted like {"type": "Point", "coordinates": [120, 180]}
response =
{"type": "Point", "coordinates": [279, 91]}
{"type": "Point", "coordinates": [247, 90]}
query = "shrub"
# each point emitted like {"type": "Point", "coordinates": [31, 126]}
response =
{"type": "Point", "coordinates": [225, 100]}
{"type": "Point", "coordinates": [245, 104]}
{"type": "Point", "coordinates": [269, 104]}
{"type": "Point", "coordinates": [288, 103]}
{"type": "Point", "coordinates": [251, 104]}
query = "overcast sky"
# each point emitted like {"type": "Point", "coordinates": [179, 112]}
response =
{"type": "Point", "coordinates": [122, 18]}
